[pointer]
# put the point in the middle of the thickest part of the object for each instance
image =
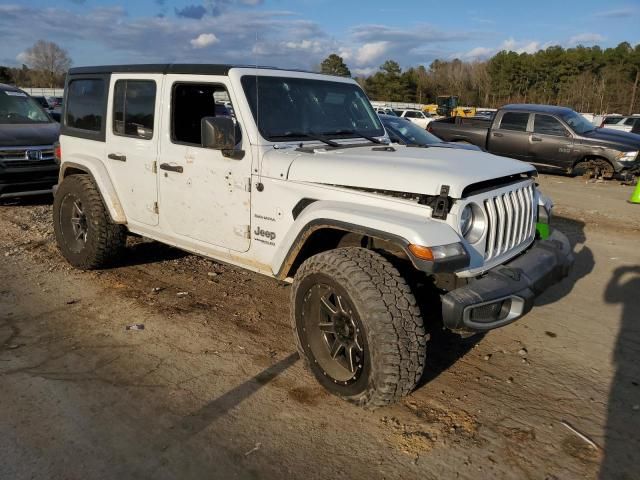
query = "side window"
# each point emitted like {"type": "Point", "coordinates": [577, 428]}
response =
{"type": "Point", "coordinates": [411, 115]}
{"type": "Point", "coordinates": [514, 121]}
{"type": "Point", "coordinates": [190, 103]}
{"type": "Point", "coordinates": [630, 121]}
{"type": "Point", "coordinates": [547, 125]}
{"type": "Point", "coordinates": [85, 104]}
{"type": "Point", "coordinates": [133, 108]}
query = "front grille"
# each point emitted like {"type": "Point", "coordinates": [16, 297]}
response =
{"type": "Point", "coordinates": [26, 157]}
{"type": "Point", "coordinates": [511, 220]}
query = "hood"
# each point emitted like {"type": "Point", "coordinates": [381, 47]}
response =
{"type": "Point", "coordinates": [617, 138]}
{"type": "Point", "coordinates": [407, 169]}
{"type": "Point", "coordinates": [28, 134]}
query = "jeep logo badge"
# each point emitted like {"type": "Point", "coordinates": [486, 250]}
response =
{"type": "Point", "coordinates": [33, 155]}
{"type": "Point", "coordinates": [258, 232]}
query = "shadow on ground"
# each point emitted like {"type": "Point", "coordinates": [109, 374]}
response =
{"type": "Point", "coordinates": [584, 260]}
{"type": "Point", "coordinates": [622, 439]}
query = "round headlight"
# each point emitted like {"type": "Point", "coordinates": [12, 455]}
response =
{"type": "Point", "coordinates": [472, 223]}
{"type": "Point", "coordinates": [466, 220]}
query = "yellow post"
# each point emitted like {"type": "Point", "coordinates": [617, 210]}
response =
{"type": "Point", "coordinates": [635, 196]}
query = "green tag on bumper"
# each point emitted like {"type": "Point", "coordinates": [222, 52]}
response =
{"type": "Point", "coordinates": [543, 230]}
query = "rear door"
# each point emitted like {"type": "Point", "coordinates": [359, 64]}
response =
{"type": "Point", "coordinates": [550, 143]}
{"type": "Point", "coordinates": [132, 143]}
{"type": "Point", "coordinates": [509, 136]}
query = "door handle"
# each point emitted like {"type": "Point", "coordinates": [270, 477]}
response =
{"type": "Point", "coordinates": [535, 139]}
{"type": "Point", "coordinates": [496, 134]}
{"type": "Point", "coordinates": [118, 157]}
{"type": "Point", "coordinates": [171, 168]}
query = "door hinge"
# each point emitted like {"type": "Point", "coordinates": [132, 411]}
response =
{"type": "Point", "coordinates": [154, 167]}
{"type": "Point", "coordinates": [156, 209]}
{"type": "Point", "coordinates": [247, 184]}
{"type": "Point", "coordinates": [243, 231]}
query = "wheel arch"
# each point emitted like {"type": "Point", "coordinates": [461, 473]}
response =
{"type": "Point", "coordinates": [101, 179]}
{"type": "Point", "coordinates": [325, 225]}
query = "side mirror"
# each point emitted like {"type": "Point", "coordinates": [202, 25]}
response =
{"type": "Point", "coordinates": [218, 133]}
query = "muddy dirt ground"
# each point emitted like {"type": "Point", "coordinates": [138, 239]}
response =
{"type": "Point", "coordinates": [211, 388]}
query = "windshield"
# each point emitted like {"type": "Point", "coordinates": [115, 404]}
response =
{"type": "Point", "coordinates": [577, 122]}
{"type": "Point", "coordinates": [292, 108]}
{"type": "Point", "coordinates": [18, 107]}
{"type": "Point", "coordinates": [408, 132]}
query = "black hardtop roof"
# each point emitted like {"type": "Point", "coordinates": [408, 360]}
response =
{"type": "Point", "coordinates": [10, 88]}
{"type": "Point", "coordinates": [164, 68]}
{"type": "Point", "coordinates": [532, 107]}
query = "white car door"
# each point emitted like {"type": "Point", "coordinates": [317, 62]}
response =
{"type": "Point", "coordinates": [132, 143]}
{"type": "Point", "coordinates": [204, 195]}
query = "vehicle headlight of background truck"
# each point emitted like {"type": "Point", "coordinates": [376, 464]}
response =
{"type": "Point", "coordinates": [472, 222]}
{"type": "Point", "coordinates": [627, 156]}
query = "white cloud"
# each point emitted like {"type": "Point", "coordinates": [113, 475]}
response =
{"type": "Point", "coordinates": [308, 45]}
{"type": "Point", "coordinates": [617, 13]}
{"type": "Point", "coordinates": [371, 52]}
{"type": "Point", "coordinates": [586, 39]}
{"type": "Point", "coordinates": [22, 57]}
{"type": "Point", "coordinates": [204, 40]}
{"type": "Point", "coordinates": [477, 53]}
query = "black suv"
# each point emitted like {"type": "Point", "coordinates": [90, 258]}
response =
{"type": "Point", "coordinates": [27, 137]}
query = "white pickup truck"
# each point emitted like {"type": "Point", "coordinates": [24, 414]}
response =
{"type": "Point", "coordinates": [290, 174]}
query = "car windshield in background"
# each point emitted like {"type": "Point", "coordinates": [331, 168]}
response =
{"type": "Point", "coordinates": [18, 107]}
{"type": "Point", "coordinates": [577, 122]}
{"type": "Point", "coordinates": [295, 108]}
{"type": "Point", "coordinates": [408, 132]}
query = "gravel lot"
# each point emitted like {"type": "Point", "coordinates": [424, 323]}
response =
{"type": "Point", "coordinates": [211, 388]}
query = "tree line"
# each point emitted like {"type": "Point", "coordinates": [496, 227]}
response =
{"type": "Point", "coordinates": [587, 79]}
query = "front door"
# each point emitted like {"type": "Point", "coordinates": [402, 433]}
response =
{"type": "Point", "coordinates": [132, 139]}
{"type": "Point", "coordinates": [204, 195]}
{"type": "Point", "coordinates": [550, 144]}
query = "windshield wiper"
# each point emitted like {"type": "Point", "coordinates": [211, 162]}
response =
{"type": "Point", "coordinates": [355, 132]}
{"type": "Point", "coordinates": [311, 135]}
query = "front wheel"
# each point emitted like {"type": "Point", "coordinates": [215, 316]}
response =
{"type": "Point", "coordinates": [85, 234]}
{"type": "Point", "coordinates": [358, 327]}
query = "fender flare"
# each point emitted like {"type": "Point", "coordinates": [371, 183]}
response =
{"type": "Point", "coordinates": [399, 227]}
{"type": "Point", "coordinates": [100, 176]}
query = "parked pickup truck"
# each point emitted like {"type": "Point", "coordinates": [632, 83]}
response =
{"type": "Point", "coordinates": [301, 184]}
{"type": "Point", "coordinates": [551, 137]}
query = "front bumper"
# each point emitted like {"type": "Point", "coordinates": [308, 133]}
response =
{"type": "Point", "coordinates": [507, 292]}
{"type": "Point", "coordinates": [31, 180]}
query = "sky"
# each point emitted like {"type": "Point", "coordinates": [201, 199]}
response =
{"type": "Point", "coordinates": [300, 33]}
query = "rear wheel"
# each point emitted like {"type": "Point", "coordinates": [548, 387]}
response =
{"type": "Point", "coordinates": [85, 234]}
{"type": "Point", "coordinates": [358, 326]}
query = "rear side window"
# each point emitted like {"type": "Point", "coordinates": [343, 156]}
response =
{"type": "Point", "coordinates": [547, 125]}
{"type": "Point", "coordinates": [514, 121]}
{"type": "Point", "coordinates": [133, 108]}
{"type": "Point", "coordinates": [611, 120]}
{"type": "Point", "coordinates": [85, 104]}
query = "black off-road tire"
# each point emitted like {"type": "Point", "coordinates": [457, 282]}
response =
{"type": "Point", "coordinates": [105, 240]}
{"type": "Point", "coordinates": [386, 309]}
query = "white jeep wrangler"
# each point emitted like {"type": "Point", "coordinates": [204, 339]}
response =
{"type": "Point", "coordinates": [290, 174]}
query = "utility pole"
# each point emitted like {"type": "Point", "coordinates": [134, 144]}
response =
{"type": "Point", "coordinates": [633, 92]}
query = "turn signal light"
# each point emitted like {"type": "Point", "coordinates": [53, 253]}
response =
{"type": "Point", "coordinates": [423, 253]}
{"type": "Point", "coordinates": [57, 152]}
